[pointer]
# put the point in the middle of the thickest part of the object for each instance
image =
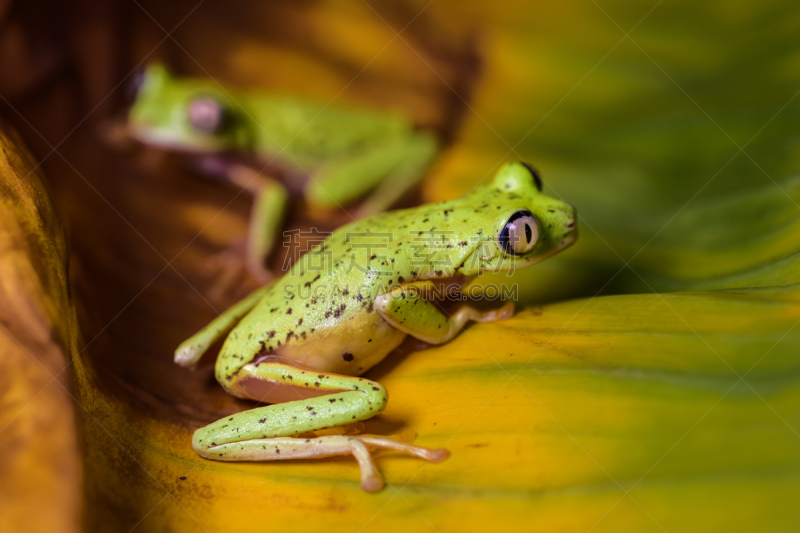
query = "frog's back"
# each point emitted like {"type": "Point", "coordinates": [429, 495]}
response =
{"type": "Point", "coordinates": [313, 132]}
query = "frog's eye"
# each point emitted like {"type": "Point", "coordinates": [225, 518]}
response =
{"type": "Point", "coordinates": [537, 178]}
{"type": "Point", "coordinates": [206, 115]}
{"type": "Point", "coordinates": [519, 234]}
{"type": "Point", "coordinates": [134, 85]}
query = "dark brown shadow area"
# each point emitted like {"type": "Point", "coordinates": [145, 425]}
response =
{"type": "Point", "coordinates": [144, 232]}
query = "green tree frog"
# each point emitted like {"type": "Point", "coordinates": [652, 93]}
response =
{"type": "Point", "coordinates": [333, 156]}
{"type": "Point", "coordinates": [300, 342]}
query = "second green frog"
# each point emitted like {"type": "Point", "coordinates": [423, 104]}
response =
{"type": "Point", "coordinates": [332, 156]}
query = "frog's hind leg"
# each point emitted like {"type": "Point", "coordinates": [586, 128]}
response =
{"type": "Point", "coordinates": [419, 150]}
{"type": "Point", "coordinates": [323, 401]}
{"type": "Point", "coordinates": [385, 172]}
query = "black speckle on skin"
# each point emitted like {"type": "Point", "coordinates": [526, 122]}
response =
{"type": "Point", "coordinates": [183, 478]}
{"type": "Point", "coordinates": [347, 356]}
{"type": "Point", "coordinates": [262, 420]}
{"type": "Point", "coordinates": [271, 334]}
{"type": "Point", "coordinates": [300, 322]}
{"type": "Point", "coordinates": [289, 311]}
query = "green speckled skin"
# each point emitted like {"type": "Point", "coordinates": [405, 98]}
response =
{"type": "Point", "coordinates": [346, 304]}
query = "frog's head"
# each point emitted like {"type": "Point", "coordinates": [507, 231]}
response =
{"type": "Point", "coordinates": [522, 225]}
{"type": "Point", "coordinates": [185, 114]}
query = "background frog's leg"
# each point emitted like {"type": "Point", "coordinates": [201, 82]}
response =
{"type": "Point", "coordinates": [419, 153]}
{"type": "Point", "coordinates": [401, 162]}
{"type": "Point", "coordinates": [326, 400]}
{"type": "Point", "coordinates": [266, 216]}
{"type": "Point", "coordinates": [406, 309]}
{"type": "Point", "coordinates": [190, 350]}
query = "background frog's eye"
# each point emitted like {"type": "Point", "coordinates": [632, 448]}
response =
{"type": "Point", "coordinates": [537, 178]}
{"type": "Point", "coordinates": [206, 115]}
{"type": "Point", "coordinates": [519, 234]}
{"type": "Point", "coordinates": [133, 85]}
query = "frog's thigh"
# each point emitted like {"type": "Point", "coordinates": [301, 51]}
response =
{"type": "Point", "coordinates": [344, 180]}
{"type": "Point", "coordinates": [405, 309]}
{"type": "Point", "coordinates": [190, 350]}
{"type": "Point", "coordinates": [419, 150]}
{"type": "Point", "coordinates": [264, 433]}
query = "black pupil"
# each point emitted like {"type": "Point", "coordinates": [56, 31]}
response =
{"type": "Point", "coordinates": [528, 233]}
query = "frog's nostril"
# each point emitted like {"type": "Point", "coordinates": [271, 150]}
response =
{"type": "Point", "coordinates": [570, 224]}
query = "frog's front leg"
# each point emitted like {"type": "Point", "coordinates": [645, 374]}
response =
{"type": "Point", "coordinates": [318, 401]}
{"type": "Point", "coordinates": [406, 309]}
{"type": "Point", "coordinates": [266, 216]}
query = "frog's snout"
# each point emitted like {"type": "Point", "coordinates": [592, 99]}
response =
{"type": "Point", "coordinates": [571, 226]}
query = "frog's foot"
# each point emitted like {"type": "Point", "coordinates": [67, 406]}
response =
{"type": "Point", "coordinates": [116, 135]}
{"type": "Point", "coordinates": [229, 269]}
{"type": "Point", "coordinates": [503, 313]}
{"type": "Point", "coordinates": [284, 448]}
